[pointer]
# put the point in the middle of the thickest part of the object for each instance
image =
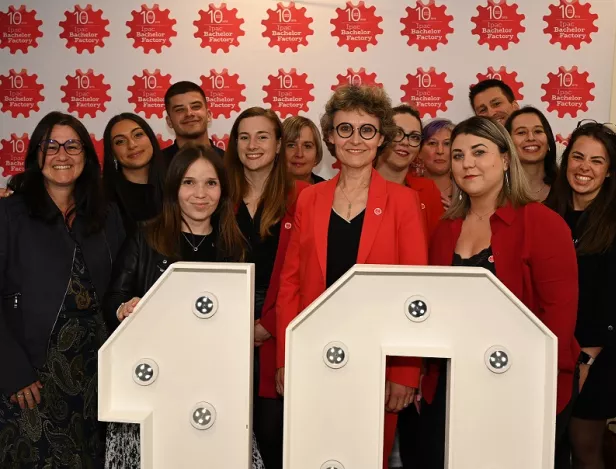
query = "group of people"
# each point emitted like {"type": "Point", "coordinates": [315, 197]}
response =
{"type": "Point", "coordinates": [79, 247]}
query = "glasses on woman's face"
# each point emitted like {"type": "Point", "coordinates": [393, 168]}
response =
{"type": "Point", "coordinates": [608, 126]}
{"type": "Point", "coordinates": [71, 147]}
{"type": "Point", "coordinates": [366, 131]}
{"type": "Point", "coordinates": [414, 138]}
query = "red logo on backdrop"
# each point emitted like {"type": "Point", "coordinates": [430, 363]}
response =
{"type": "Point", "coordinates": [509, 78]}
{"type": "Point", "coordinates": [563, 140]}
{"type": "Point", "coordinates": [100, 149]}
{"type": "Point", "coordinates": [13, 154]}
{"type": "Point", "coordinates": [287, 27]}
{"type": "Point", "coordinates": [20, 93]}
{"type": "Point", "coordinates": [223, 93]}
{"type": "Point", "coordinates": [568, 92]}
{"type": "Point", "coordinates": [358, 78]}
{"type": "Point", "coordinates": [427, 25]}
{"type": "Point", "coordinates": [356, 26]}
{"type": "Point", "coordinates": [498, 24]}
{"type": "Point", "coordinates": [164, 142]}
{"type": "Point", "coordinates": [148, 93]}
{"type": "Point", "coordinates": [84, 29]}
{"type": "Point", "coordinates": [288, 93]}
{"type": "Point", "coordinates": [427, 91]}
{"type": "Point", "coordinates": [570, 23]}
{"type": "Point", "coordinates": [151, 28]}
{"type": "Point", "coordinates": [219, 28]}
{"type": "Point", "coordinates": [221, 142]}
{"type": "Point", "coordinates": [19, 29]}
{"type": "Point", "coordinates": [85, 93]}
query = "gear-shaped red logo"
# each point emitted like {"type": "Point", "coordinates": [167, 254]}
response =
{"type": "Point", "coordinates": [498, 24]}
{"type": "Point", "coordinates": [509, 78]}
{"type": "Point", "coordinates": [84, 29]}
{"type": "Point", "coordinates": [223, 93]}
{"type": "Point", "coordinates": [427, 25]}
{"type": "Point", "coordinates": [151, 28]}
{"type": "Point", "coordinates": [99, 147]}
{"type": "Point", "coordinates": [86, 93]}
{"type": "Point", "coordinates": [356, 77]}
{"type": "Point", "coordinates": [568, 92]}
{"type": "Point", "coordinates": [13, 154]}
{"type": "Point", "coordinates": [148, 92]}
{"type": "Point", "coordinates": [288, 93]}
{"type": "Point", "coordinates": [570, 23]}
{"type": "Point", "coordinates": [427, 91]}
{"type": "Point", "coordinates": [20, 93]}
{"type": "Point", "coordinates": [221, 142]}
{"type": "Point", "coordinates": [287, 27]}
{"type": "Point", "coordinates": [163, 142]}
{"type": "Point", "coordinates": [219, 28]}
{"type": "Point", "coordinates": [356, 26]}
{"type": "Point", "coordinates": [19, 29]}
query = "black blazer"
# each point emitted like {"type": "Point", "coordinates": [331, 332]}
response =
{"type": "Point", "coordinates": [36, 258]}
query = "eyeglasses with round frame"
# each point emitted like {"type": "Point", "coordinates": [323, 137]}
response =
{"type": "Point", "coordinates": [366, 131]}
{"type": "Point", "coordinates": [52, 147]}
{"type": "Point", "coordinates": [414, 138]}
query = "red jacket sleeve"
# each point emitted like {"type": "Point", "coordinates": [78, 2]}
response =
{"type": "Point", "coordinates": [287, 303]}
{"type": "Point", "coordinates": [553, 266]}
{"type": "Point", "coordinates": [412, 244]}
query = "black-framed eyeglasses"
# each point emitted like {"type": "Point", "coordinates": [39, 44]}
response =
{"type": "Point", "coordinates": [71, 147]}
{"type": "Point", "coordinates": [414, 138]}
{"type": "Point", "coordinates": [611, 128]}
{"type": "Point", "coordinates": [366, 131]}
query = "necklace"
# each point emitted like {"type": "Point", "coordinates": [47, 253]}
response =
{"type": "Point", "coordinates": [481, 217]}
{"type": "Point", "coordinates": [348, 217]}
{"type": "Point", "coordinates": [195, 248]}
{"type": "Point", "coordinates": [540, 189]}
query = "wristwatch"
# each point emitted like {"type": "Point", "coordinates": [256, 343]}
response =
{"type": "Point", "coordinates": [585, 359]}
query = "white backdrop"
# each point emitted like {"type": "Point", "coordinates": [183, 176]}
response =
{"type": "Point", "coordinates": [426, 51]}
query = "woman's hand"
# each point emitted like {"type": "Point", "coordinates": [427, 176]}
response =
{"type": "Point", "coordinates": [397, 396]}
{"type": "Point", "coordinates": [29, 396]}
{"type": "Point", "coordinates": [261, 334]}
{"type": "Point", "coordinates": [280, 381]}
{"type": "Point", "coordinates": [445, 200]}
{"type": "Point", "coordinates": [126, 309]}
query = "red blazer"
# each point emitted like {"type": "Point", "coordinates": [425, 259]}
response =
{"type": "Point", "coordinates": [392, 233]}
{"type": "Point", "coordinates": [535, 258]}
{"type": "Point", "coordinates": [430, 199]}
{"type": "Point", "coordinates": [267, 351]}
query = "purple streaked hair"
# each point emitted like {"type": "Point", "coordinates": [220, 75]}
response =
{"type": "Point", "coordinates": [434, 126]}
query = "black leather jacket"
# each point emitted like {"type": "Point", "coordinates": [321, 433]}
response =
{"type": "Point", "coordinates": [36, 259]}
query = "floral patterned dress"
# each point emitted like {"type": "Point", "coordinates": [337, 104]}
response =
{"type": "Point", "coordinates": [63, 430]}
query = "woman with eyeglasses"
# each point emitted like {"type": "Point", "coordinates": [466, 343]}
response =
{"type": "Point", "coordinates": [534, 140]}
{"type": "Point", "coordinates": [58, 241]}
{"type": "Point", "coordinates": [394, 164]}
{"type": "Point", "coordinates": [494, 223]}
{"type": "Point", "coordinates": [134, 169]}
{"type": "Point", "coordinates": [357, 217]}
{"type": "Point", "coordinates": [584, 194]}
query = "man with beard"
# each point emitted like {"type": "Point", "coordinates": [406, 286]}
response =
{"type": "Point", "coordinates": [188, 116]}
{"type": "Point", "coordinates": [493, 98]}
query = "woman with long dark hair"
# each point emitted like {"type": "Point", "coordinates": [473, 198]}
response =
{"type": "Point", "coordinates": [264, 197]}
{"type": "Point", "coordinates": [134, 168]}
{"type": "Point", "coordinates": [197, 224]}
{"type": "Point", "coordinates": [58, 241]}
{"type": "Point", "coordinates": [584, 194]}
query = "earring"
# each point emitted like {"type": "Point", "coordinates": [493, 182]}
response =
{"type": "Point", "coordinates": [460, 195]}
{"type": "Point", "coordinates": [507, 184]}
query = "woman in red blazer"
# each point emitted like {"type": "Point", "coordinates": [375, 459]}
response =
{"type": "Point", "coordinates": [265, 199]}
{"type": "Point", "coordinates": [493, 223]}
{"type": "Point", "coordinates": [357, 217]}
{"type": "Point", "coordinates": [393, 164]}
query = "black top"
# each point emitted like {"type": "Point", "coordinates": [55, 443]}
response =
{"type": "Point", "coordinates": [481, 259]}
{"type": "Point", "coordinates": [204, 244]}
{"type": "Point", "coordinates": [596, 321]}
{"type": "Point", "coordinates": [171, 150]}
{"type": "Point", "coordinates": [137, 203]}
{"type": "Point", "coordinates": [342, 245]}
{"type": "Point", "coordinates": [261, 251]}
{"type": "Point", "coordinates": [317, 179]}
